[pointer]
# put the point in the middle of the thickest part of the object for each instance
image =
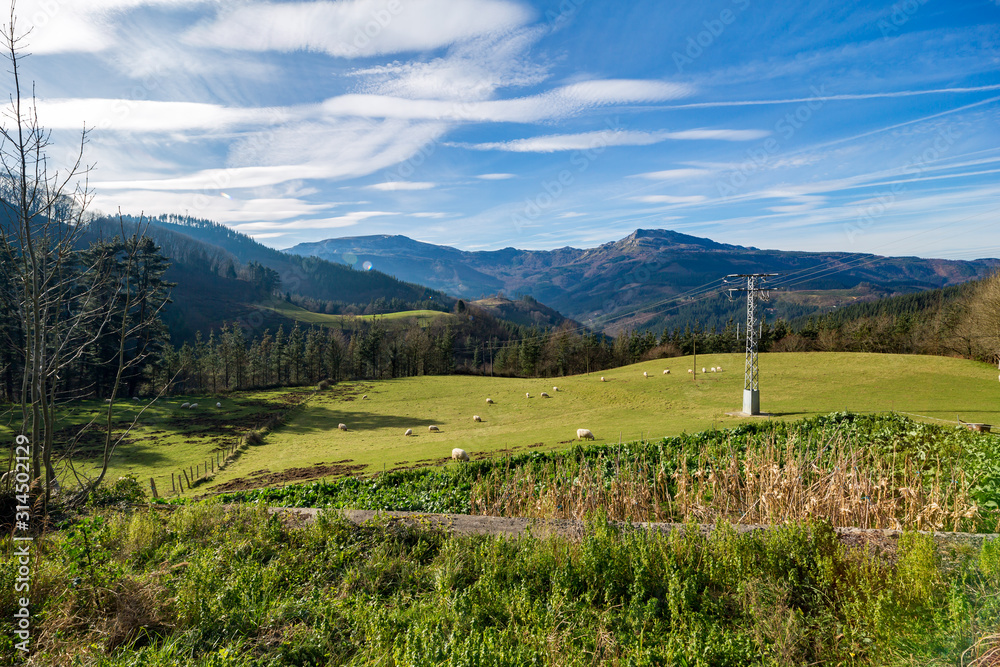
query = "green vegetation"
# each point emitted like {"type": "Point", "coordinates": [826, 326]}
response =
{"type": "Point", "coordinates": [299, 314]}
{"type": "Point", "coordinates": [210, 586]}
{"type": "Point", "coordinates": [627, 406]}
{"type": "Point", "coordinates": [165, 438]}
{"type": "Point", "coordinates": [866, 471]}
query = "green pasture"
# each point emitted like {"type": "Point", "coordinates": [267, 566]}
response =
{"type": "Point", "coordinates": [164, 438]}
{"type": "Point", "coordinates": [627, 406]}
{"type": "Point", "coordinates": [293, 312]}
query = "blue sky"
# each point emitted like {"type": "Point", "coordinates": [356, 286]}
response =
{"type": "Point", "coordinates": [863, 126]}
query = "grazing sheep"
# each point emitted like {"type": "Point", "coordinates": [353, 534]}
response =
{"type": "Point", "coordinates": [718, 368]}
{"type": "Point", "coordinates": [218, 405]}
{"type": "Point", "coordinates": [645, 374]}
{"type": "Point", "coordinates": [527, 395]}
{"type": "Point", "coordinates": [365, 397]}
{"type": "Point", "coordinates": [135, 398]}
{"type": "Point", "coordinates": [713, 369]}
{"type": "Point", "coordinates": [477, 418]}
{"type": "Point", "coordinates": [459, 454]}
{"type": "Point", "coordinates": [584, 434]}
{"type": "Point", "coordinates": [702, 369]}
{"type": "Point", "coordinates": [489, 401]}
{"type": "Point", "coordinates": [185, 405]}
{"type": "Point", "coordinates": [107, 400]}
{"type": "Point", "coordinates": [544, 395]}
{"type": "Point", "coordinates": [433, 429]}
{"type": "Point", "coordinates": [342, 427]}
{"type": "Point", "coordinates": [666, 372]}
{"type": "Point", "coordinates": [554, 389]}
{"type": "Point", "coordinates": [690, 370]}
{"type": "Point", "coordinates": [194, 405]}
{"type": "Point", "coordinates": [409, 431]}
{"type": "Point", "coordinates": [602, 379]}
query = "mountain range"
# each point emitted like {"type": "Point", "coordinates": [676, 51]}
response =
{"type": "Point", "coordinates": [650, 279]}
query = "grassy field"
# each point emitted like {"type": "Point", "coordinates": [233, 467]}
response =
{"type": "Point", "coordinates": [293, 312]}
{"type": "Point", "coordinates": [166, 437]}
{"type": "Point", "coordinates": [627, 406]}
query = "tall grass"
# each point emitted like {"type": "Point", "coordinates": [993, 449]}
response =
{"type": "Point", "coordinates": [775, 479]}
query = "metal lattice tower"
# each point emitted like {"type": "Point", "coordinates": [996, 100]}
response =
{"type": "Point", "coordinates": [755, 291]}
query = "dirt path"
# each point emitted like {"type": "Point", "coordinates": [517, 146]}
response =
{"type": "Point", "coordinates": [467, 524]}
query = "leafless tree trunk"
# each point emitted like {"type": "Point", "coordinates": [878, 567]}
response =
{"type": "Point", "coordinates": [43, 220]}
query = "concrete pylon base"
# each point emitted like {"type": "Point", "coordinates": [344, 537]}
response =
{"type": "Point", "coordinates": [751, 401]}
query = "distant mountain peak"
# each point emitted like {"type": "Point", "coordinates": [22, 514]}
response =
{"type": "Point", "coordinates": [658, 238]}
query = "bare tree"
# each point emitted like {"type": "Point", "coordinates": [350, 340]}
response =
{"type": "Point", "coordinates": [984, 319]}
{"type": "Point", "coordinates": [61, 295]}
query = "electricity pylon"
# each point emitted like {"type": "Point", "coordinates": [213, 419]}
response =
{"type": "Point", "coordinates": [755, 290]}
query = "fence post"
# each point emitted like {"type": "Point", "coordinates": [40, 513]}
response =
{"type": "Point", "coordinates": [152, 485]}
{"type": "Point", "coordinates": [187, 479]}
{"type": "Point", "coordinates": [173, 487]}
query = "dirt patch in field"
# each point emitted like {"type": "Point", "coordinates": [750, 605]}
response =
{"type": "Point", "coordinates": [265, 477]}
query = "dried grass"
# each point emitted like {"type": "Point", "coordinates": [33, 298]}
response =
{"type": "Point", "coordinates": [769, 483]}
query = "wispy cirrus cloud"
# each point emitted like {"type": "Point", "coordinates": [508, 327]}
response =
{"type": "Point", "coordinates": [604, 138]}
{"type": "Point", "coordinates": [394, 186]}
{"type": "Point", "coordinates": [496, 177]}
{"type": "Point", "coordinates": [561, 102]}
{"type": "Point", "coordinates": [357, 28]}
{"type": "Point", "coordinates": [674, 174]}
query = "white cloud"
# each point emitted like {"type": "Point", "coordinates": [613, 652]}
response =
{"type": "Point", "coordinates": [496, 177]}
{"type": "Point", "coordinates": [569, 214]}
{"type": "Point", "coordinates": [84, 26]}
{"type": "Point", "coordinates": [346, 220]}
{"type": "Point", "coordinates": [148, 115]}
{"type": "Point", "coordinates": [603, 138]}
{"type": "Point", "coordinates": [301, 152]}
{"type": "Point", "coordinates": [673, 174]}
{"type": "Point", "coordinates": [669, 199]}
{"type": "Point", "coordinates": [572, 142]}
{"type": "Point", "coordinates": [357, 28]}
{"type": "Point", "coordinates": [392, 186]}
{"type": "Point", "coordinates": [472, 70]}
{"type": "Point", "coordinates": [559, 103]}
{"type": "Point", "coordinates": [214, 207]}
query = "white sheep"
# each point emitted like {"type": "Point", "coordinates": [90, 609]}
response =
{"type": "Point", "coordinates": [602, 379]}
{"type": "Point", "coordinates": [364, 397]}
{"type": "Point", "coordinates": [544, 395]}
{"type": "Point", "coordinates": [713, 369]}
{"type": "Point", "coordinates": [584, 434]}
{"type": "Point", "coordinates": [718, 368]}
{"type": "Point", "coordinates": [107, 400]}
{"type": "Point", "coordinates": [527, 394]}
{"type": "Point", "coordinates": [489, 401]}
{"type": "Point", "coordinates": [185, 405]}
{"type": "Point", "coordinates": [194, 405]}
{"type": "Point", "coordinates": [218, 405]}
{"type": "Point", "coordinates": [690, 370]}
{"type": "Point", "coordinates": [433, 429]}
{"type": "Point", "coordinates": [702, 369]}
{"type": "Point", "coordinates": [459, 454]}
{"type": "Point", "coordinates": [645, 374]}
{"type": "Point", "coordinates": [554, 389]}
{"type": "Point", "coordinates": [409, 431]}
{"type": "Point", "coordinates": [666, 372]}
{"type": "Point", "coordinates": [342, 427]}
{"type": "Point", "coordinates": [135, 398]}
{"type": "Point", "coordinates": [477, 418]}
